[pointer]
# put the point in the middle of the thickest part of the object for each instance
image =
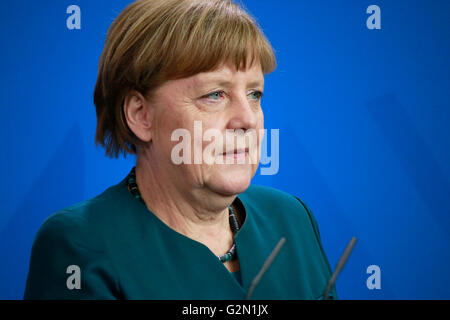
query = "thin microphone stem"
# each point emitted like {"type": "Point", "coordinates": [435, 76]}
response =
{"type": "Point", "coordinates": [340, 265]}
{"type": "Point", "coordinates": [265, 266]}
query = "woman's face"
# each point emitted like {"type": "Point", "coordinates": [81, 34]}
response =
{"type": "Point", "coordinates": [224, 101]}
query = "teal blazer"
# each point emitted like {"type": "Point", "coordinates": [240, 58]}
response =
{"type": "Point", "coordinates": [124, 251]}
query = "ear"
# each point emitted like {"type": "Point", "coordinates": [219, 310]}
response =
{"type": "Point", "coordinates": [139, 115]}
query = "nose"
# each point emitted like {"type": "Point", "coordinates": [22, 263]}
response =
{"type": "Point", "coordinates": [244, 114]}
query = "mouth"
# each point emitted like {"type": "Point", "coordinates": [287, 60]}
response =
{"type": "Point", "coordinates": [238, 152]}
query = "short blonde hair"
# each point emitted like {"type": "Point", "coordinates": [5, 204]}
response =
{"type": "Point", "coordinates": [153, 41]}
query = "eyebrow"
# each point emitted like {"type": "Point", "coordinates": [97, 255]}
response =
{"type": "Point", "coordinates": [226, 83]}
{"type": "Point", "coordinates": [256, 83]}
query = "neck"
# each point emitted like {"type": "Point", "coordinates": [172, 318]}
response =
{"type": "Point", "coordinates": [197, 213]}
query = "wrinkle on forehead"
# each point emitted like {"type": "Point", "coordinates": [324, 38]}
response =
{"type": "Point", "coordinates": [225, 75]}
{"type": "Point", "coordinates": [228, 73]}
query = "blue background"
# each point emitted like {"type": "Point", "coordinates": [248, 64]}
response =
{"type": "Point", "coordinates": [363, 118]}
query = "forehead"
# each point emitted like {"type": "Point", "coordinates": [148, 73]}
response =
{"type": "Point", "coordinates": [226, 75]}
{"type": "Point", "coordinates": [228, 72]}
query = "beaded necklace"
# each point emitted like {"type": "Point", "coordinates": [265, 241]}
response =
{"type": "Point", "coordinates": [234, 225]}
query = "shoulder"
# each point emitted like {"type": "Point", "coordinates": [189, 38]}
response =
{"type": "Point", "coordinates": [275, 212]}
{"type": "Point", "coordinates": [289, 209]}
{"type": "Point", "coordinates": [268, 193]}
{"type": "Point", "coordinates": [77, 236]}
{"type": "Point", "coordinates": [270, 198]}
{"type": "Point", "coordinates": [82, 223]}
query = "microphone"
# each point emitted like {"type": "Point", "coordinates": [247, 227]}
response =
{"type": "Point", "coordinates": [340, 265]}
{"type": "Point", "coordinates": [265, 266]}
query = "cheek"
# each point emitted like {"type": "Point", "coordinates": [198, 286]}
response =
{"type": "Point", "coordinates": [188, 129]}
{"type": "Point", "coordinates": [167, 121]}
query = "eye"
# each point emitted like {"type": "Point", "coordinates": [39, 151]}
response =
{"type": "Point", "coordinates": [256, 95]}
{"type": "Point", "coordinates": [215, 95]}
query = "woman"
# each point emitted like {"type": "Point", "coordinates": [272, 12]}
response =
{"type": "Point", "coordinates": [191, 229]}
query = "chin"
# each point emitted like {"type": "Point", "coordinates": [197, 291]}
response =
{"type": "Point", "coordinates": [231, 181]}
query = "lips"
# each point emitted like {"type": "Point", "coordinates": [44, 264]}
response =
{"type": "Point", "coordinates": [233, 152]}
